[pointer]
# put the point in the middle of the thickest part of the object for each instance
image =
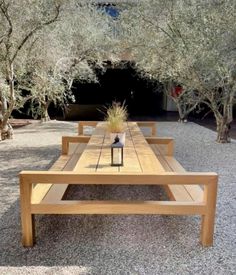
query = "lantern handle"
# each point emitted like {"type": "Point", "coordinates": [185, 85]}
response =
{"type": "Point", "coordinates": [116, 140]}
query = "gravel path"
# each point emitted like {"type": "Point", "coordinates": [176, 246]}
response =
{"type": "Point", "coordinates": [125, 244]}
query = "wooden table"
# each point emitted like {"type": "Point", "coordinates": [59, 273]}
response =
{"type": "Point", "coordinates": [40, 189]}
{"type": "Point", "coordinates": [138, 156]}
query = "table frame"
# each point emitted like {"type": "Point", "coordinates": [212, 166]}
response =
{"type": "Point", "coordinates": [205, 208]}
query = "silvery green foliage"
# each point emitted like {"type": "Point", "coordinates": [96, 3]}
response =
{"type": "Point", "coordinates": [83, 35]}
{"type": "Point", "coordinates": [68, 51]}
{"type": "Point", "coordinates": [190, 42]}
{"type": "Point", "coordinates": [45, 90]}
{"type": "Point", "coordinates": [20, 21]}
{"type": "Point", "coordinates": [174, 38]}
{"type": "Point", "coordinates": [55, 40]}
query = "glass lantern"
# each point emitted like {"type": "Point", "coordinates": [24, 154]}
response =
{"type": "Point", "coordinates": [117, 155]}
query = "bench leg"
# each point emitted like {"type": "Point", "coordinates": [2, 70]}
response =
{"type": "Point", "coordinates": [27, 218]}
{"type": "Point", "coordinates": [208, 220]}
{"type": "Point", "coordinates": [207, 230]}
{"type": "Point", "coordinates": [28, 230]}
{"type": "Point", "coordinates": [154, 130]}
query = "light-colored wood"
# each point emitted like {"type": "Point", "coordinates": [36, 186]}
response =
{"type": "Point", "coordinates": [195, 191]}
{"type": "Point", "coordinates": [83, 124]}
{"type": "Point", "coordinates": [186, 192]}
{"type": "Point", "coordinates": [89, 163]}
{"type": "Point", "coordinates": [27, 218]}
{"type": "Point", "coordinates": [40, 190]}
{"type": "Point", "coordinates": [147, 159]}
{"type": "Point", "coordinates": [177, 192]}
{"type": "Point", "coordinates": [57, 191]}
{"type": "Point", "coordinates": [169, 142]}
{"type": "Point", "coordinates": [89, 160]}
{"type": "Point", "coordinates": [208, 220]}
{"type": "Point", "coordinates": [66, 140]}
{"type": "Point", "coordinates": [120, 207]}
{"type": "Point", "coordinates": [65, 162]}
{"type": "Point", "coordinates": [137, 154]}
{"type": "Point", "coordinates": [148, 124]}
{"type": "Point", "coordinates": [163, 145]}
{"type": "Point", "coordinates": [131, 159]}
{"type": "Point", "coordinates": [174, 191]}
{"type": "Point", "coordinates": [73, 177]}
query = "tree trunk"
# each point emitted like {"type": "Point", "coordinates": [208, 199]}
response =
{"type": "Point", "coordinates": [182, 115]}
{"type": "Point", "coordinates": [224, 121]}
{"type": "Point", "coordinates": [6, 130]}
{"type": "Point", "coordinates": [44, 115]}
{"type": "Point", "coordinates": [223, 130]}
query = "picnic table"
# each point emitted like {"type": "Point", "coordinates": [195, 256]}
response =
{"type": "Point", "coordinates": [147, 161]}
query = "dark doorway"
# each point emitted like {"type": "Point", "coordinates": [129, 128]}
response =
{"type": "Point", "coordinates": [122, 83]}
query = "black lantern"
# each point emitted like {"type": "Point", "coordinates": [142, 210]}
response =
{"type": "Point", "coordinates": [117, 152]}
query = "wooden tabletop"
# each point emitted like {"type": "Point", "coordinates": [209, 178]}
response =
{"type": "Point", "coordinates": [138, 155]}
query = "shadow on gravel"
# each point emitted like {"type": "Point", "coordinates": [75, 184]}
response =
{"type": "Point", "coordinates": [58, 126]}
{"type": "Point", "coordinates": [95, 241]}
{"type": "Point", "coordinates": [98, 242]}
{"type": "Point", "coordinates": [49, 127]}
{"type": "Point", "coordinates": [30, 158]}
{"type": "Point", "coordinates": [122, 244]}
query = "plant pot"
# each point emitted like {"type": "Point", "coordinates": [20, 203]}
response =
{"type": "Point", "coordinates": [121, 136]}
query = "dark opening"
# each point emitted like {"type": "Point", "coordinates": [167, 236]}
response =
{"type": "Point", "coordinates": [122, 83]}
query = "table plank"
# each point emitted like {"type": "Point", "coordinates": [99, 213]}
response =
{"type": "Point", "coordinates": [147, 159]}
{"type": "Point", "coordinates": [131, 161]}
{"type": "Point", "coordinates": [89, 159]}
{"type": "Point", "coordinates": [104, 164]}
{"type": "Point", "coordinates": [138, 155]}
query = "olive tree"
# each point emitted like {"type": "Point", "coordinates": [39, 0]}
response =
{"type": "Point", "coordinates": [20, 23]}
{"type": "Point", "coordinates": [186, 100]}
{"type": "Point", "coordinates": [46, 44]}
{"type": "Point", "coordinates": [70, 51]}
{"type": "Point", "coordinates": [191, 43]}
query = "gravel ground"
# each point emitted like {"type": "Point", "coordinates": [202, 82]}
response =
{"type": "Point", "coordinates": [125, 244]}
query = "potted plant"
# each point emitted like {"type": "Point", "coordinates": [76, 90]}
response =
{"type": "Point", "coordinates": [116, 115]}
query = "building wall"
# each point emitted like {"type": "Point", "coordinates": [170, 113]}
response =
{"type": "Point", "coordinates": [168, 104]}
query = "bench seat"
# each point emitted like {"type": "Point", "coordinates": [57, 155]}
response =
{"type": "Point", "coordinates": [177, 192]}
{"type": "Point", "coordinates": [43, 193]}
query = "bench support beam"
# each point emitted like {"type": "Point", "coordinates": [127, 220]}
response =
{"type": "Point", "coordinates": [149, 124]}
{"type": "Point", "coordinates": [208, 220]}
{"type": "Point", "coordinates": [66, 140]}
{"type": "Point", "coordinates": [27, 218]}
{"type": "Point", "coordinates": [169, 142]}
{"type": "Point", "coordinates": [119, 207]}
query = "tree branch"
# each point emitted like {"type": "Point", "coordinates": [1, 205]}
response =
{"type": "Point", "coordinates": [4, 9]}
{"type": "Point", "coordinates": [34, 30]}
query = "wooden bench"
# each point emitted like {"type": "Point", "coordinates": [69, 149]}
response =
{"type": "Point", "coordinates": [72, 148]}
{"type": "Point", "coordinates": [42, 192]}
{"type": "Point", "coordinates": [150, 125]}
{"type": "Point", "coordinates": [164, 149]}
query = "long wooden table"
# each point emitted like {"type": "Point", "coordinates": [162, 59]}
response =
{"type": "Point", "coordinates": [40, 189]}
{"type": "Point", "coordinates": [138, 155]}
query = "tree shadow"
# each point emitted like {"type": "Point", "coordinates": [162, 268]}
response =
{"type": "Point", "coordinates": [86, 239]}
{"type": "Point", "coordinates": [30, 158]}
{"type": "Point", "coordinates": [49, 127]}
{"type": "Point", "coordinates": [97, 242]}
